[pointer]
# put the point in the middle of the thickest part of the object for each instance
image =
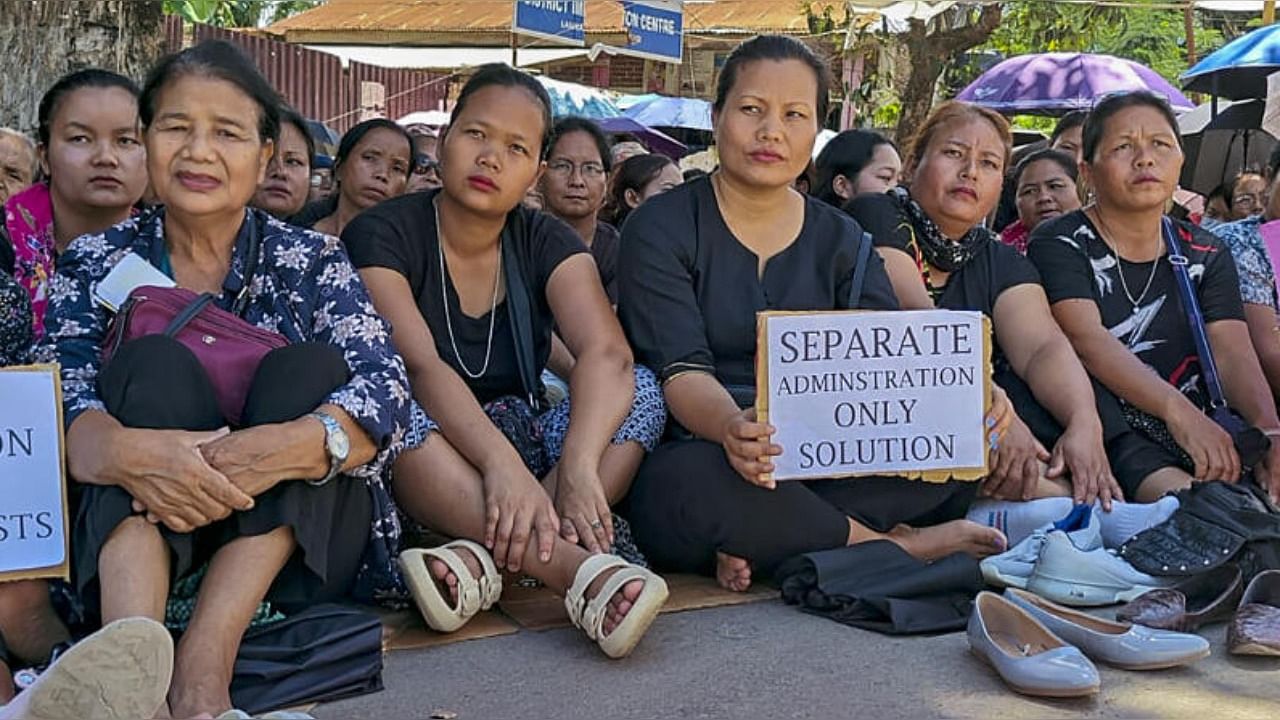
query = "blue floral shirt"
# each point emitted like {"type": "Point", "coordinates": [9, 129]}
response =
{"type": "Point", "coordinates": [305, 288]}
{"type": "Point", "coordinates": [1257, 278]}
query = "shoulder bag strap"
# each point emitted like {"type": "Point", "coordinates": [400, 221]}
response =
{"type": "Point", "coordinates": [520, 310]}
{"type": "Point", "coordinates": [1191, 306]}
{"type": "Point", "coordinates": [860, 269]}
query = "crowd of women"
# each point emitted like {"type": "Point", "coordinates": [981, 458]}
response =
{"type": "Point", "coordinates": [421, 305]}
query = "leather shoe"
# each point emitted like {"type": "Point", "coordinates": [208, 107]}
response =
{"type": "Point", "coordinates": [1199, 600]}
{"type": "Point", "coordinates": [1255, 630]}
{"type": "Point", "coordinates": [1123, 645]}
{"type": "Point", "coordinates": [1027, 656]}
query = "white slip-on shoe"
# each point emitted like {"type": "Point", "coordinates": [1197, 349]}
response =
{"type": "Point", "coordinates": [1013, 567]}
{"type": "Point", "coordinates": [1120, 644]}
{"type": "Point", "coordinates": [121, 671]}
{"type": "Point", "coordinates": [1068, 575]}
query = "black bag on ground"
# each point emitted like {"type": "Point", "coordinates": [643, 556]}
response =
{"type": "Point", "coordinates": [326, 652]}
{"type": "Point", "coordinates": [878, 586]}
{"type": "Point", "coordinates": [1215, 523]}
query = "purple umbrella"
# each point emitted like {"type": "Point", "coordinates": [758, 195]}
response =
{"type": "Point", "coordinates": [656, 141]}
{"type": "Point", "coordinates": [1056, 83]}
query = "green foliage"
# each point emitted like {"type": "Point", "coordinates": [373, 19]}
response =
{"type": "Point", "coordinates": [237, 13]}
{"type": "Point", "coordinates": [1154, 36]}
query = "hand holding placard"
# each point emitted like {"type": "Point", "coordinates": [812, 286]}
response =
{"type": "Point", "coordinates": [875, 393]}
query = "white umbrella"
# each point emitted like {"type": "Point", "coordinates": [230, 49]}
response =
{"type": "Point", "coordinates": [434, 118]}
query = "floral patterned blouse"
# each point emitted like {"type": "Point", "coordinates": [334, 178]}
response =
{"type": "Point", "coordinates": [15, 322]}
{"type": "Point", "coordinates": [1257, 279]}
{"type": "Point", "coordinates": [305, 288]}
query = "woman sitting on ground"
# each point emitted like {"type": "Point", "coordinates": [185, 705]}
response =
{"type": "Point", "coordinates": [284, 193]}
{"type": "Point", "coordinates": [939, 255]}
{"type": "Point", "coordinates": [473, 283]}
{"type": "Point", "coordinates": [372, 164]}
{"type": "Point", "coordinates": [1116, 297]}
{"type": "Point", "coordinates": [92, 154]}
{"type": "Point", "coordinates": [1044, 187]}
{"type": "Point", "coordinates": [856, 162]}
{"type": "Point", "coordinates": [637, 179]}
{"type": "Point", "coordinates": [697, 264]}
{"type": "Point", "coordinates": [277, 504]}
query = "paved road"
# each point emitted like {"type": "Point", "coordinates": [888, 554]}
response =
{"type": "Point", "coordinates": [768, 660]}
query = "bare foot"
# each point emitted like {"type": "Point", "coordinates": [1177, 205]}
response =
{"type": "Point", "coordinates": [619, 604]}
{"type": "Point", "coordinates": [446, 581]}
{"type": "Point", "coordinates": [733, 573]}
{"type": "Point", "coordinates": [938, 541]}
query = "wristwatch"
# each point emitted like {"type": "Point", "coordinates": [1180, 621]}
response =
{"type": "Point", "coordinates": [336, 444]}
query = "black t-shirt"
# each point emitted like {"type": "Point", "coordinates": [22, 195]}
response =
{"type": "Point", "coordinates": [1075, 263]}
{"type": "Point", "coordinates": [689, 291]}
{"type": "Point", "coordinates": [604, 248]}
{"type": "Point", "coordinates": [976, 286]}
{"type": "Point", "coordinates": [400, 234]}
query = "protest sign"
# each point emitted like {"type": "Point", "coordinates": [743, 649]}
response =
{"type": "Point", "coordinates": [556, 20]}
{"type": "Point", "coordinates": [875, 393]}
{"type": "Point", "coordinates": [33, 514]}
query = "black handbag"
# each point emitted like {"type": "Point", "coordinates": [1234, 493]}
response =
{"type": "Point", "coordinates": [326, 652]}
{"type": "Point", "coordinates": [1250, 442]}
{"type": "Point", "coordinates": [1215, 523]}
{"type": "Point", "coordinates": [520, 311]}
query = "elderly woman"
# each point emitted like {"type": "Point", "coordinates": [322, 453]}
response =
{"type": "Point", "coordinates": [288, 183]}
{"type": "Point", "coordinates": [1114, 293]}
{"type": "Point", "coordinates": [17, 162]}
{"type": "Point", "coordinates": [278, 505]}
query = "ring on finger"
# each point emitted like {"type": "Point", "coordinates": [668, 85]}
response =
{"type": "Point", "coordinates": [596, 525]}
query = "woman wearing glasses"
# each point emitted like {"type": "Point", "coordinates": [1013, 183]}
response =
{"type": "Point", "coordinates": [1245, 195]}
{"type": "Point", "coordinates": [573, 189]}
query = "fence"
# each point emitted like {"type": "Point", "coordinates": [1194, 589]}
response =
{"type": "Point", "coordinates": [316, 84]}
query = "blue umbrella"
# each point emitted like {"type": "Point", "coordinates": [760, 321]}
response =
{"type": "Point", "coordinates": [672, 112]}
{"type": "Point", "coordinates": [1239, 69]}
{"type": "Point", "coordinates": [573, 99]}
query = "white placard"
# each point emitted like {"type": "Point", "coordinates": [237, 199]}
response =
{"type": "Point", "coordinates": [33, 526]}
{"type": "Point", "coordinates": [875, 393]}
{"type": "Point", "coordinates": [1271, 107]}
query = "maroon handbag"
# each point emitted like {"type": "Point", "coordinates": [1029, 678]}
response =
{"type": "Point", "coordinates": [229, 348]}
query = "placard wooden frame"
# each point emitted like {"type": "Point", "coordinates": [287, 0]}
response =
{"type": "Point", "coordinates": [63, 570]}
{"type": "Point", "coordinates": [933, 476]}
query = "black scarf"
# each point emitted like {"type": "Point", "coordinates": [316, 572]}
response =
{"type": "Point", "coordinates": [941, 253]}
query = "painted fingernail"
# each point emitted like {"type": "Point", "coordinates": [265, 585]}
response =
{"type": "Point", "coordinates": [991, 422]}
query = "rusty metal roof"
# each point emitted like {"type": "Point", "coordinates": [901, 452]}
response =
{"type": "Point", "coordinates": [489, 16]}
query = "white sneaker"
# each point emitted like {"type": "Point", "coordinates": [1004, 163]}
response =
{"type": "Point", "coordinates": [1068, 575]}
{"type": "Point", "coordinates": [1013, 567]}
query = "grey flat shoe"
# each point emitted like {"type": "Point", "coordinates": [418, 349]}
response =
{"type": "Point", "coordinates": [1027, 656]}
{"type": "Point", "coordinates": [1121, 644]}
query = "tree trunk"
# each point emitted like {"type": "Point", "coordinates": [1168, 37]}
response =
{"type": "Point", "coordinates": [45, 39]}
{"type": "Point", "coordinates": [929, 53]}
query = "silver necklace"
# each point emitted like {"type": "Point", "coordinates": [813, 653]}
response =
{"type": "Point", "coordinates": [1136, 302]}
{"type": "Point", "coordinates": [444, 297]}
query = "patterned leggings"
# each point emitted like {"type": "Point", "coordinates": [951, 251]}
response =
{"type": "Point", "coordinates": [540, 438]}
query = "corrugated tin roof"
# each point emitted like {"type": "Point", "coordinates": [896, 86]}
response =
{"type": "Point", "coordinates": [487, 16]}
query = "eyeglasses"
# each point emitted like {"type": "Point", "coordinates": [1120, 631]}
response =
{"type": "Point", "coordinates": [565, 168]}
{"type": "Point", "coordinates": [423, 165]}
{"type": "Point", "coordinates": [1247, 200]}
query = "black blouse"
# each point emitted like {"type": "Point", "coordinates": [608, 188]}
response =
{"type": "Point", "coordinates": [400, 234]}
{"type": "Point", "coordinates": [689, 291]}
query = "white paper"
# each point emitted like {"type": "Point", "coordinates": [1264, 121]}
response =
{"type": "Point", "coordinates": [1271, 109]}
{"type": "Point", "coordinates": [32, 526]}
{"type": "Point", "coordinates": [894, 393]}
{"type": "Point", "coordinates": [129, 274]}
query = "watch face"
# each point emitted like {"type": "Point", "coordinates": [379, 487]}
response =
{"type": "Point", "coordinates": [340, 444]}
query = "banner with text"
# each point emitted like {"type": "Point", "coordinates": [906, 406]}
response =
{"type": "Point", "coordinates": [875, 393]}
{"type": "Point", "coordinates": [556, 20]}
{"type": "Point", "coordinates": [33, 516]}
{"type": "Point", "coordinates": [655, 29]}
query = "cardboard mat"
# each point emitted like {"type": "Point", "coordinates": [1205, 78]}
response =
{"type": "Point", "coordinates": [405, 630]}
{"type": "Point", "coordinates": [537, 608]}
